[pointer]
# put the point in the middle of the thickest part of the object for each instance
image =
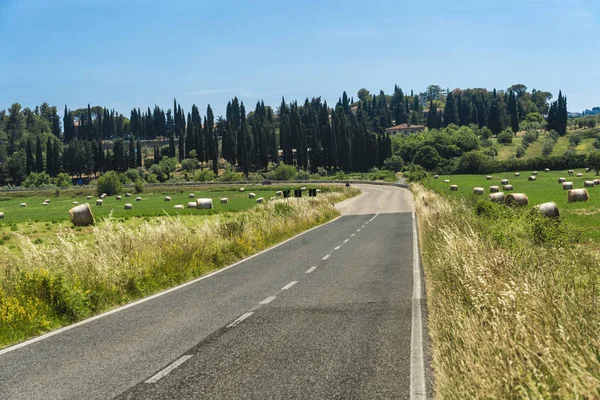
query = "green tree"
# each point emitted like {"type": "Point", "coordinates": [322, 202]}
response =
{"type": "Point", "coordinates": [14, 127]}
{"type": "Point", "coordinates": [63, 180]}
{"type": "Point", "coordinates": [39, 158]}
{"type": "Point", "coordinates": [109, 183]}
{"type": "Point", "coordinates": [451, 111]}
{"type": "Point", "coordinates": [593, 161]}
{"type": "Point", "coordinates": [505, 137]}
{"type": "Point", "coordinates": [49, 158]}
{"type": "Point", "coordinates": [427, 157]}
{"type": "Point", "coordinates": [131, 159]}
{"type": "Point", "coordinates": [512, 109]}
{"type": "Point", "coordinates": [15, 167]}
{"type": "Point", "coordinates": [494, 121]}
{"type": "Point", "coordinates": [363, 94]}
{"type": "Point", "coordinates": [29, 160]}
{"type": "Point", "coordinates": [138, 153]}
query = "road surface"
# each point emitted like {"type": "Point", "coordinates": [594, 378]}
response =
{"type": "Point", "coordinates": [332, 313]}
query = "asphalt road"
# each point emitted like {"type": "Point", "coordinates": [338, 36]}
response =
{"type": "Point", "coordinates": [328, 314]}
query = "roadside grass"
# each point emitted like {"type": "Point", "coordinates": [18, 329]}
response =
{"type": "Point", "coordinates": [581, 216]}
{"type": "Point", "coordinates": [512, 301]}
{"type": "Point", "coordinates": [63, 279]}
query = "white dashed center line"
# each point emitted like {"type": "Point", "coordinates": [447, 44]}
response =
{"type": "Point", "coordinates": [240, 319]}
{"type": "Point", "coordinates": [337, 248]}
{"type": "Point", "coordinates": [354, 234]}
{"type": "Point", "coordinates": [311, 269]}
{"type": "Point", "coordinates": [346, 241]}
{"type": "Point", "coordinates": [326, 257]}
{"type": "Point", "coordinates": [170, 368]}
{"type": "Point", "coordinates": [268, 300]}
{"type": "Point", "coordinates": [358, 230]}
{"type": "Point", "coordinates": [289, 285]}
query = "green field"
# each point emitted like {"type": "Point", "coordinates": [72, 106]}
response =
{"type": "Point", "coordinates": [583, 216]}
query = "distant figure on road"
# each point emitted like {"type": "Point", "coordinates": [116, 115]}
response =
{"type": "Point", "coordinates": [347, 184]}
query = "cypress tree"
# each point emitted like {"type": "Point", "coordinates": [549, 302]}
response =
{"type": "Point", "coordinates": [39, 158]}
{"type": "Point", "coordinates": [172, 145]}
{"type": "Point", "coordinates": [56, 160]}
{"type": "Point", "coordinates": [512, 109]}
{"type": "Point", "coordinates": [451, 111]}
{"type": "Point", "coordinates": [494, 121]}
{"type": "Point", "coordinates": [138, 158]}
{"type": "Point", "coordinates": [108, 161]}
{"type": "Point", "coordinates": [131, 160]}
{"type": "Point", "coordinates": [181, 148]}
{"type": "Point", "coordinates": [432, 116]}
{"type": "Point", "coordinates": [29, 161]}
{"type": "Point", "coordinates": [49, 160]}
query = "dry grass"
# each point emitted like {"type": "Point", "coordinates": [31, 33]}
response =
{"type": "Point", "coordinates": [513, 304]}
{"type": "Point", "coordinates": [49, 284]}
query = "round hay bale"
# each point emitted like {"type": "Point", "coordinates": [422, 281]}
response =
{"type": "Point", "coordinates": [507, 188]}
{"type": "Point", "coordinates": [260, 200]}
{"type": "Point", "coordinates": [251, 195]}
{"type": "Point", "coordinates": [205, 204]}
{"type": "Point", "coordinates": [454, 188]}
{"type": "Point", "coordinates": [549, 209]}
{"type": "Point", "coordinates": [488, 178]}
{"type": "Point", "coordinates": [242, 189]}
{"type": "Point", "coordinates": [191, 196]}
{"type": "Point", "coordinates": [596, 181]}
{"type": "Point", "coordinates": [23, 205]}
{"type": "Point", "coordinates": [446, 180]}
{"type": "Point", "coordinates": [436, 176]}
{"type": "Point", "coordinates": [546, 169]}
{"type": "Point", "coordinates": [224, 200]}
{"type": "Point", "coordinates": [578, 195]}
{"type": "Point", "coordinates": [567, 185]}
{"type": "Point", "coordinates": [75, 203]}
{"type": "Point", "coordinates": [192, 204]}
{"type": "Point", "coordinates": [1, 215]}
{"type": "Point", "coordinates": [478, 190]}
{"type": "Point", "coordinates": [99, 202]}
{"type": "Point", "coordinates": [517, 174]}
{"type": "Point", "coordinates": [534, 173]}
{"type": "Point", "coordinates": [127, 194]}
{"type": "Point", "coordinates": [532, 178]}
{"type": "Point", "coordinates": [588, 184]}
{"type": "Point", "coordinates": [303, 188]}
{"type": "Point", "coordinates": [497, 197]}
{"type": "Point", "coordinates": [570, 172]}
{"type": "Point", "coordinates": [89, 197]}
{"type": "Point", "coordinates": [279, 193]}
{"type": "Point", "coordinates": [128, 206]}
{"type": "Point", "coordinates": [504, 181]}
{"type": "Point", "coordinates": [494, 189]}
{"type": "Point", "coordinates": [587, 170]}
{"type": "Point", "coordinates": [580, 175]}
{"type": "Point", "coordinates": [318, 190]}
{"type": "Point", "coordinates": [178, 207]}
{"type": "Point", "coordinates": [45, 204]}
{"type": "Point", "coordinates": [82, 215]}
{"type": "Point", "coordinates": [138, 199]}
{"type": "Point", "coordinates": [103, 195]}
{"type": "Point", "coordinates": [167, 198]}
{"type": "Point", "coordinates": [561, 180]}
{"type": "Point", "coordinates": [47, 201]}
{"type": "Point", "coordinates": [516, 199]}
{"type": "Point", "coordinates": [118, 197]}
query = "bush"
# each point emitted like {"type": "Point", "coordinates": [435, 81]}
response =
{"type": "Point", "coordinates": [284, 172]}
{"type": "Point", "coordinates": [393, 163]}
{"type": "Point", "coordinates": [132, 174]}
{"type": "Point", "coordinates": [415, 173]}
{"type": "Point", "coordinates": [505, 137]}
{"type": "Point", "coordinates": [255, 177]}
{"type": "Point", "coordinates": [547, 148]}
{"type": "Point", "coordinates": [520, 152]}
{"type": "Point", "coordinates": [205, 175]}
{"type": "Point", "coordinates": [109, 183]}
{"type": "Point", "coordinates": [303, 175]}
{"type": "Point", "coordinates": [574, 138]}
{"type": "Point", "coordinates": [323, 172]}
{"type": "Point", "coordinates": [37, 180]}
{"type": "Point", "coordinates": [63, 180]}
{"type": "Point", "coordinates": [152, 178]}
{"type": "Point", "coordinates": [189, 164]}
{"type": "Point", "coordinates": [530, 137]}
{"type": "Point", "coordinates": [139, 185]}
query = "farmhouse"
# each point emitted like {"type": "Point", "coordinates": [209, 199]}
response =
{"type": "Point", "coordinates": [405, 128]}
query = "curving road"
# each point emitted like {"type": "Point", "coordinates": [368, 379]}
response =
{"type": "Point", "coordinates": [332, 313]}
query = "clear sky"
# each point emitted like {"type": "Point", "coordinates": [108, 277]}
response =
{"type": "Point", "coordinates": [130, 53]}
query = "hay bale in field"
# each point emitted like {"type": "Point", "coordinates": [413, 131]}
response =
{"type": "Point", "coordinates": [588, 184]}
{"type": "Point", "coordinates": [446, 180]}
{"type": "Point", "coordinates": [580, 175]}
{"type": "Point", "coordinates": [517, 174]}
{"type": "Point", "coordinates": [497, 197]}
{"type": "Point", "coordinates": [561, 180]}
{"type": "Point", "coordinates": [488, 178]}
{"type": "Point", "coordinates": [532, 178]}
{"type": "Point", "coordinates": [478, 190]}
{"type": "Point", "coordinates": [167, 198]}
{"type": "Point", "coordinates": [1, 215]}
{"type": "Point", "coordinates": [534, 173]}
{"type": "Point", "coordinates": [596, 181]}
{"type": "Point", "coordinates": [303, 188]}
{"type": "Point", "coordinates": [279, 193]}
{"type": "Point", "coordinates": [191, 196]}
{"type": "Point", "coordinates": [454, 188]}
{"type": "Point", "coordinates": [260, 200]}
{"type": "Point", "coordinates": [224, 200]}
{"type": "Point", "coordinates": [546, 169]}
{"type": "Point", "coordinates": [45, 204]}
{"type": "Point", "coordinates": [205, 204]}
{"type": "Point", "coordinates": [436, 176]}
{"type": "Point", "coordinates": [89, 197]}
{"type": "Point", "coordinates": [47, 201]}
{"type": "Point", "coordinates": [578, 195]}
{"type": "Point", "coordinates": [82, 215]}
{"type": "Point", "coordinates": [516, 199]}
{"type": "Point", "coordinates": [23, 205]}
{"type": "Point", "coordinates": [570, 172]}
{"type": "Point", "coordinates": [118, 197]}
{"type": "Point", "coordinates": [127, 194]}
{"type": "Point", "coordinates": [75, 203]}
{"type": "Point", "coordinates": [504, 181]}
{"type": "Point", "coordinates": [587, 170]}
{"type": "Point", "coordinates": [178, 207]}
{"type": "Point", "coordinates": [318, 190]}
{"type": "Point", "coordinates": [507, 188]}
{"type": "Point", "coordinates": [251, 195]}
{"type": "Point", "coordinates": [192, 204]}
{"type": "Point", "coordinates": [567, 185]}
{"type": "Point", "coordinates": [242, 189]}
{"type": "Point", "coordinates": [138, 199]}
{"type": "Point", "coordinates": [549, 209]}
{"type": "Point", "coordinates": [128, 206]}
{"type": "Point", "coordinates": [99, 202]}
{"type": "Point", "coordinates": [494, 189]}
{"type": "Point", "coordinates": [103, 195]}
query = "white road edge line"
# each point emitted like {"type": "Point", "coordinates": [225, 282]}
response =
{"type": "Point", "coordinates": [311, 269]}
{"type": "Point", "coordinates": [326, 257]}
{"type": "Point", "coordinates": [337, 247]}
{"type": "Point", "coordinates": [268, 300]}
{"type": "Point", "coordinates": [168, 369]}
{"type": "Point", "coordinates": [354, 234]}
{"type": "Point", "coordinates": [240, 319]}
{"type": "Point", "coordinates": [289, 285]}
{"type": "Point", "coordinates": [358, 230]}
{"type": "Point", "coordinates": [141, 301]}
{"type": "Point", "coordinates": [346, 241]}
{"type": "Point", "coordinates": [417, 364]}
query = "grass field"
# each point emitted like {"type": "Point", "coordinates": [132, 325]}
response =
{"type": "Point", "coordinates": [583, 216]}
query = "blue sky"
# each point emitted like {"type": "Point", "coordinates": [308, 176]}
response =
{"type": "Point", "coordinates": [137, 53]}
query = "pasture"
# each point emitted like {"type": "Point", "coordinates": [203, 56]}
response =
{"type": "Point", "coordinates": [582, 216]}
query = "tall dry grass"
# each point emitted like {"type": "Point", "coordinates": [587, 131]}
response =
{"type": "Point", "coordinates": [43, 286]}
{"type": "Point", "coordinates": [513, 302]}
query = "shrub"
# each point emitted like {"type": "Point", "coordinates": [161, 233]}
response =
{"type": "Point", "coordinates": [37, 180]}
{"type": "Point", "coordinates": [189, 164]}
{"type": "Point", "coordinates": [109, 183]}
{"type": "Point", "coordinates": [63, 180]}
{"type": "Point", "coordinates": [151, 178]}
{"type": "Point", "coordinates": [530, 137]}
{"type": "Point", "coordinates": [303, 175]}
{"type": "Point", "coordinates": [547, 148]}
{"type": "Point", "coordinates": [132, 174]}
{"type": "Point", "coordinates": [205, 175]}
{"type": "Point", "coordinates": [139, 185]}
{"type": "Point", "coordinates": [255, 177]}
{"type": "Point", "coordinates": [393, 163]}
{"type": "Point", "coordinates": [323, 172]}
{"type": "Point", "coordinates": [574, 138]}
{"type": "Point", "coordinates": [415, 173]}
{"type": "Point", "coordinates": [284, 172]}
{"type": "Point", "coordinates": [520, 152]}
{"type": "Point", "coordinates": [505, 137]}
